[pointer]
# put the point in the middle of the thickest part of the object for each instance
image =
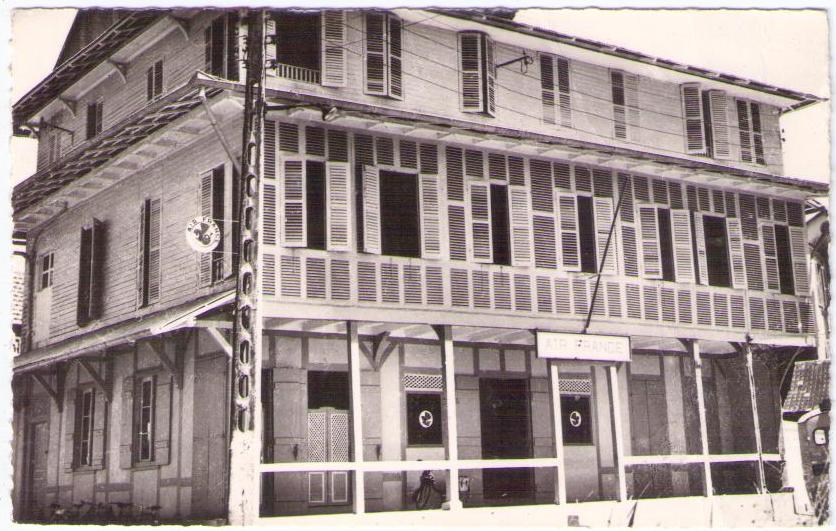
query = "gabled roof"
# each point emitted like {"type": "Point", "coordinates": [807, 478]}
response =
{"type": "Point", "coordinates": [810, 385]}
{"type": "Point", "coordinates": [481, 16]}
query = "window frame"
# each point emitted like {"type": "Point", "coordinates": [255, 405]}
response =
{"type": "Point", "coordinates": [753, 133]}
{"type": "Point", "coordinates": [94, 118]}
{"type": "Point", "coordinates": [140, 408]}
{"type": "Point", "coordinates": [84, 437]}
{"type": "Point", "coordinates": [388, 56]}
{"type": "Point", "coordinates": [729, 272]}
{"type": "Point", "coordinates": [154, 89]}
{"type": "Point", "coordinates": [486, 73]}
{"type": "Point", "coordinates": [405, 172]}
{"type": "Point", "coordinates": [46, 274]}
{"type": "Point", "coordinates": [425, 393]}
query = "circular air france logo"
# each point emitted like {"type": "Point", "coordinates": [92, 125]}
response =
{"type": "Point", "coordinates": [575, 419]}
{"type": "Point", "coordinates": [203, 234]}
{"type": "Point", "coordinates": [425, 419]}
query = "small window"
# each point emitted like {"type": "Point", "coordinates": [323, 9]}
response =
{"type": "Point", "coordinates": [145, 421]}
{"type": "Point", "coordinates": [717, 249]}
{"type": "Point", "coordinates": [666, 244]}
{"type": "Point", "coordinates": [47, 268]}
{"type": "Point", "coordinates": [577, 419]}
{"type": "Point", "coordinates": [315, 204]}
{"type": "Point", "coordinates": [328, 389]}
{"type": "Point", "coordinates": [399, 214]}
{"type": "Point", "coordinates": [477, 72]}
{"type": "Point", "coordinates": [91, 261]}
{"type": "Point", "coordinates": [94, 119]}
{"type": "Point", "coordinates": [85, 411]}
{"type": "Point", "coordinates": [383, 55]}
{"type": "Point", "coordinates": [586, 235]}
{"type": "Point", "coordinates": [298, 46]}
{"type": "Point", "coordinates": [154, 81]}
{"type": "Point", "coordinates": [423, 419]}
{"type": "Point", "coordinates": [782, 246]}
{"type": "Point", "coordinates": [751, 136]}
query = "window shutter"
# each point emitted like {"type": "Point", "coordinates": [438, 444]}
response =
{"type": "Point", "coordinates": [649, 232]}
{"type": "Point", "coordinates": [631, 97]}
{"type": "Point", "coordinates": [480, 219]}
{"type": "Point", "coordinates": [547, 85]}
{"type": "Point", "coordinates": [520, 222]}
{"type": "Point", "coordinates": [375, 60]}
{"type": "Point", "coordinates": [568, 218]}
{"type": "Point", "coordinates": [718, 103]}
{"type": "Point", "coordinates": [754, 268]}
{"type": "Point", "coordinates": [270, 149]}
{"type": "Point", "coordinates": [162, 419]}
{"type": "Point", "coordinates": [70, 440]}
{"type": "Point", "coordinates": [563, 88]}
{"type": "Point", "coordinates": [430, 216]}
{"type": "Point", "coordinates": [232, 46]}
{"type": "Point", "coordinates": [333, 48]}
{"type": "Point", "coordinates": [757, 133]}
{"type": "Point", "coordinates": [99, 116]}
{"type": "Point", "coordinates": [702, 259]}
{"type": "Point", "coordinates": [395, 60]}
{"type": "Point", "coordinates": [603, 220]}
{"type": "Point", "coordinates": [149, 83]}
{"type": "Point", "coordinates": [99, 417]}
{"type": "Point", "coordinates": [470, 54]}
{"type": "Point", "coordinates": [158, 78]}
{"type": "Point", "coordinates": [683, 257]}
{"type": "Point", "coordinates": [294, 233]}
{"type": "Point", "coordinates": [90, 273]}
{"type": "Point", "coordinates": [743, 126]}
{"type": "Point", "coordinates": [371, 210]}
{"type": "Point", "coordinates": [694, 127]}
{"type": "Point", "coordinates": [338, 206]}
{"type": "Point", "coordinates": [154, 245]}
{"type": "Point", "coordinates": [269, 210]}
{"type": "Point", "coordinates": [770, 255]}
{"type": "Point", "coordinates": [126, 434]}
{"type": "Point", "coordinates": [205, 192]}
{"type": "Point", "coordinates": [798, 247]}
{"type": "Point", "coordinates": [735, 239]}
{"type": "Point", "coordinates": [140, 261]}
{"type": "Point", "coordinates": [271, 48]}
{"type": "Point", "coordinates": [490, 78]}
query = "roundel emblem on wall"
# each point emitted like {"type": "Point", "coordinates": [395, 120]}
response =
{"type": "Point", "coordinates": [425, 419]}
{"type": "Point", "coordinates": [575, 419]}
{"type": "Point", "coordinates": [203, 234]}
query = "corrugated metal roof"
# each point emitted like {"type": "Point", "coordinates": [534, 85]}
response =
{"type": "Point", "coordinates": [810, 385]}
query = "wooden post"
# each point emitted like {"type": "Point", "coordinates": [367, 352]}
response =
{"type": "Point", "coordinates": [617, 433]}
{"type": "Point", "coordinates": [695, 352]}
{"type": "Point", "coordinates": [356, 414]}
{"type": "Point", "coordinates": [445, 335]}
{"type": "Point", "coordinates": [557, 423]}
{"type": "Point", "coordinates": [750, 371]}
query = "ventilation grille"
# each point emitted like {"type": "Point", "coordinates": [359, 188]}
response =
{"type": "Point", "coordinates": [576, 386]}
{"type": "Point", "coordinates": [423, 382]}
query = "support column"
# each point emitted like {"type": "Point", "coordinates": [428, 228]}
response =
{"type": "Point", "coordinates": [695, 352]}
{"type": "Point", "coordinates": [359, 490]}
{"type": "Point", "coordinates": [753, 397]}
{"type": "Point", "coordinates": [618, 432]}
{"type": "Point", "coordinates": [445, 336]}
{"type": "Point", "coordinates": [557, 423]}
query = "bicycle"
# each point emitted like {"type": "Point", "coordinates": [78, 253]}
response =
{"type": "Point", "coordinates": [421, 495]}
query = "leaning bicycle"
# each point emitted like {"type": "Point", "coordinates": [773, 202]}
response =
{"type": "Point", "coordinates": [422, 495]}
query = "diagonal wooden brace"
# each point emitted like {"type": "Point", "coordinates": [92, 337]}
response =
{"type": "Point", "coordinates": [55, 393]}
{"type": "Point", "coordinates": [158, 347]}
{"type": "Point", "coordinates": [101, 382]}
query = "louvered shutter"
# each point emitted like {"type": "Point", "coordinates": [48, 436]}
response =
{"type": "Point", "coordinates": [520, 225]}
{"type": "Point", "coordinates": [375, 60]}
{"type": "Point", "coordinates": [718, 103]}
{"type": "Point", "coordinates": [744, 130]}
{"type": "Point", "coordinates": [271, 48]}
{"type": "Point", "coordinates": [631, 98]}
{"type": "Point", "coordinates": [154, 249]}
{"type": "Point", "coordinates": [692, 110]}
{"type": "Point", "coordinates": [126, 433]}
{"type": "Point", "coordinates": [682, 252]}
{"type": "Point", "coordinates": [798, 247]}
{"type": "Point", "coordinates": [770, 255]}
{"type": "Point", "coordinates": [702, 258]}
{"type": "Point", "coordinates": [603, 207]}
{"type": "Point", "coordinates": [395, 63]}
{"type": "Point", "coordinates": [71, 420]}
{"type": "Point", "coordinates": [270, 138]}
{"type": "Point", "coordinates": [564, 99]}
{"type": "Point", "coordinates": [140, 274]}
{"type": "Point", "coordinates": [735, 239]}
{"type": "Point", "coordinates": [568, 218]}
{"type": "Point", "coordinates": [547, 91]}
{"type": "Point", "coordinates": [480, 222]}
{"type": "Point", "coordinates": [649, 233]}
{"type": "Point", "coordinates": [371, 210]}
{"type": "Point", "coordinates": [205, 198]}
{"type": "Point", "coordinates": [294, 233]}
{"type": "Point", "coordinates": [100, 415]}
{"type": "Point", "coordinates": [470, 72]}
{"type": "Point", "coordinates": [490, 78]}
{"type": "Point", "coordinates": [430, 216]}
{"type": "Point", "coordinates": [158, 78]}
{"type": "Point", "coordinates": [162, 419]}
{"type": "Point", "coordinates": [338, 206]}
{"type": "Point", "coordinates": [333, 48]}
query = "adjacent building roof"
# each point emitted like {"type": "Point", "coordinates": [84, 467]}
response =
{"type": "Point", "coordinates": [810, 385]}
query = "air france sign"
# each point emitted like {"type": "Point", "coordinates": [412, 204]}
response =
{"type": "Point", "coordinates": [587, 347]}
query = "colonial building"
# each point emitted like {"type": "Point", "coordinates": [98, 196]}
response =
{"type": "Point", "coordinates": [548, 269]}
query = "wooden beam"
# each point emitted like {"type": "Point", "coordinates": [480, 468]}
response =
{"type": "Point", "coordinates": [220, 340]}
{"type": "Point", "coordinates": [54, 393]}
{"type": "Point", "coordinates": [445, 336]}
{"type": "Point", "coordinates": [753, 397]}
{"type": "Point", "coordinates": [353, 345]}
{"type": "Point", "coordinates": [557, 425]}
{"type": "Point", "coordinates": [694, 347]}
{"type": "Point", "coordinates": [100, 381]}
{"type": "Point", "coordinates": [120, 68]}
{"type": "Point", "coordinates": [69, 104]}
{"type": "Point", "coordinates": [158, 346]}
{"type": "Point", "coordinates": [183, 25]}
{"type": "Point", "coordinates": [618, 432]}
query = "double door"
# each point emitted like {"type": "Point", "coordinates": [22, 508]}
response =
{"type": "Point", "coordinates": [328, 441]}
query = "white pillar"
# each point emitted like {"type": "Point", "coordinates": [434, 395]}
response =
{"type": "Point", "coordinates": [359, 491]}
{"type": "Point", "coordinates": [445, 336]}
{"type": "Point", "coordinates": [557, 423]}
{"type": "Point", "coordinates": [695, 352]}
{"type": "Point", "coordinates": [618, 432]}
{"type": "Point", "coordinates": [750, 371]}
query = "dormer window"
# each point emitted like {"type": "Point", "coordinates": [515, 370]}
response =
{"type": "Point", "coordinates": [477, 73]}
{"type": "Point", "coordinates": [94, 119]}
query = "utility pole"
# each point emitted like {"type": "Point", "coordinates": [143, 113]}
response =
{"type": "Point", "coordinates": [245, 443]}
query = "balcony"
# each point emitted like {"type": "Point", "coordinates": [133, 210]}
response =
{"type": "Point", "coordinates": [512, 296]}
{"type": "Point", "coordinates": [297, 73]}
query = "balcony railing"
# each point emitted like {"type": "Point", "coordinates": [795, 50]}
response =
{"type": "Point", "coordinates": [312, 276]}
{"type": "Point", "coordinates": [297, 73]}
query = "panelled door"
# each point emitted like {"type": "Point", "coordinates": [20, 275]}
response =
{"type": "Point", "coordinates": [38, 439]}
{"type": "Point", "coordinates": [649, 435]}
{"type": "Point", "coordinates": [328, 440]}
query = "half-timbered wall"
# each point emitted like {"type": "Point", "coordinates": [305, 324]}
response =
{"type": "Point", "coordinates": [455, 269]}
